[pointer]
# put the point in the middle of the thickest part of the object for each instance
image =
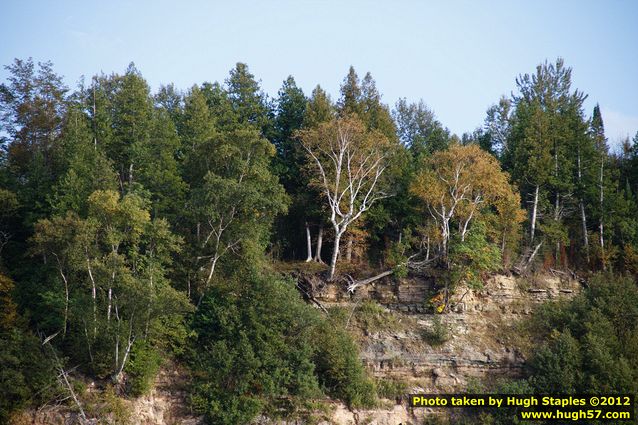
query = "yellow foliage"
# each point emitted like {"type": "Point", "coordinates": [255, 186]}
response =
{"type": "Point", "coordinates": [462, 183]}
{"type": "Point", "coordinates": [8, 311]}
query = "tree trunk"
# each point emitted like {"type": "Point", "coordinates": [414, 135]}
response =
{"type": "Point", "coordinates": [583, 219]}
{"type": "Point", "coordinates": [108, 311]}
{"type": "Point", "coordinates": [445, 227]}
{"type": "Point", "coordinates": [94, 119]}
{"type": "Point", "coordinates": [534, 211]}
{"type": "Point", "coordinates": [557, 218]}
{"type": "Point", "coordinates": [93, 295]}
{"type": "Point", "coordinates": [354, 284]}
{"type": "Point", "coordinates": [349, 249]}
{"type": "Point", "coordinates": [66, 301]}
{"type": "Point", "coordinates": [308, 244]}
{"type": "Point", "coordinates": [117, 377]}
{"type": "Point", "coordinates": [319, 245]}
{"type": "Point", "coordinates": [335, 254]}
{"type": "Point", "coordinates": [600, 224]}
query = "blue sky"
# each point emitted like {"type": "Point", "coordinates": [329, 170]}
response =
{"type": "Point", "coordinates": [458, 56]}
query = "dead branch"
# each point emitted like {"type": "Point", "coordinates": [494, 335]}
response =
{"type": "Point", "coordinates": [311, 297]}
{"type": "Point", "coordinates": [354, 284]}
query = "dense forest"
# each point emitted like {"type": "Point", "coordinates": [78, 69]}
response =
{"type": "Point", "coordinates": [138, 226]}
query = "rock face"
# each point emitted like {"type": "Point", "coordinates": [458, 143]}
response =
{"type": "Point", "coordinates": [481, 336]}
{"type": "Point", "coordinates": [166, 403]}
{"type": "Point", "coordinates": [481, 331]}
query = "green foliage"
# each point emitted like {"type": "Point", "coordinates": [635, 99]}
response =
{"type": "Point", "coordinates": [142, 368]}
{"type": "Point", "coordinates": [556, 366]}
{"type": "Point", "coordinates": [372, 317]}
{"type": "Point", "coordinates": [392, 388]}
{"type": "Point", "coordinates": [27, 376]}
{"type": "Point", "coordinates": [259, 348]}
{"type": "Point", "coordinates": [253, 349]}
{"type": "Point", "coordinates": [592, 341]}
{"type": "Point", "coordinates": [112, 198]}
{"type": "Point", "coordinates": [113, 266]}
{"type": "Point", "coordinates": [339, 369]}
{"type": "Point", "coordinates": [419, 130]}
{"type": "Point", "coordinates": [473, 257]}
{"type": "Point", "coordinates": [438, 333]}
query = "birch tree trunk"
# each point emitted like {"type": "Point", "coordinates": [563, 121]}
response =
{"type": "Point", "coordinates": [583, 217]}
{"type": "Point", "coordinates": [534, 213]}
{"type": "Point", "coordinates": [308, 244]}
{"type": "Point", "coordinates": [319, 245]}
{"type": "Point", "coordinates": [335, 254]}
{"type": "Point", "coordinates": [349, 249]}
{"type": "Point", "coordinates": [557, 218]}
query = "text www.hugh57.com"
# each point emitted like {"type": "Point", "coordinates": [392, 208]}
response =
{"type": "Point", "coordinates": [575, 415]}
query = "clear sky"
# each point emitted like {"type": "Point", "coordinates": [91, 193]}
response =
{"type": "Point", "coordinates": [458, 56]}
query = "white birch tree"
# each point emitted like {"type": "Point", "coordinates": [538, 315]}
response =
{"type": "Point", "coordinates": [347, 164]}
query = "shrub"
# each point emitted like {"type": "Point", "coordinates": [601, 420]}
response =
{"type": "Point", "coordinates": [142, 368]}
{"type": "Point", "coordinates": [392, 388]}
{"type": "Point", "coordinates": [438, 334]}
{"type": "Point", "coordinates": [252, 350]}
{"type": "Point", "coordinates": [339, 368]}
{"type": "Point", "coordinates": [591, 342]}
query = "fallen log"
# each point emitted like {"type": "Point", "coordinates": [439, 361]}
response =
{"type": "Point", "coordinates": [354, 284]}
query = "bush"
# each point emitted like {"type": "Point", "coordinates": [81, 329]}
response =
{"type": "Point", "coordinates": [392, 388]}
{"type": "Point", "coordinates": [259, 349]}
{"type": "Point", "coordinates": [252, 351]}
{"type": "Point", "coordinates": [439, 333]}
{"type": "Point", "coordinates": [339, 368]}
{"type": "Point", "coordinates": [142, 368]}
{"type": "Point", "coordinates": [472, 258]}
{"type": "Point", "coordinates": [591, 343]}
{"type": "Point", "coordinates": [372, 317]}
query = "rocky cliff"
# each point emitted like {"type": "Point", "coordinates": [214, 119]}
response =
{"type": "Point", "coordinates": [477, 341]}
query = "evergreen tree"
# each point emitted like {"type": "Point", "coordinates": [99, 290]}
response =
{"type": "Point", "coordinates": [32, 107]}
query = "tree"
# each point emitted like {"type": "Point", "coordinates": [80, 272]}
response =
{"type": "Point", "coordinates": [290, 111]}
{"type": "Point", "coordinates": [132, 116]}
{"type": "Point", "coordinates": [234, 195]}
{"type": "Point", "coordinates": [113, 266]}
{"type": "Point", "coordinates": [198, 135]}
{"type": "Point", "coordinates": [460, 184]}
{"type": "Point", "coordinates": [86, 167]}
{"type": "Point", "coordinates": [254, 344]}
{"type": "Point", "coordinates": [319, 109]}
{"type": "Point", "coordinates": [350, 102]}
{"type": "Point", "coordinates": [547, 133]}
{"type": "Point", "coordinates": [247, 99]}
{"type": "Point", "coordinates": [589, 343]}
{"type": "Point", "coordinates": [233, 215]}
{"type": "Point", "coordinates": [602, 178]}
{"type": "Point", "coordinates": [157, 166]}
{"type": "Point", "coordinates": [347, 163]}
{"type": "Point", "coordinates": [27, 377]}
{"type": "Point", "coordinates": [171, 100]}
{"type": "Point", "coordinates": [418, 128]}
{"type": "Point", "coordinates": [498, 125]}
{"type": "Point", "coordinates": [32, 107]}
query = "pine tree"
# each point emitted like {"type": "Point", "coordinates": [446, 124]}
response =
{"type": "Point", "coordinates": [32, 107]}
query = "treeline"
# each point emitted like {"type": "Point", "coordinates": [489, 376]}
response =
{"type": "Point", "coordinates": [136, 224]}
